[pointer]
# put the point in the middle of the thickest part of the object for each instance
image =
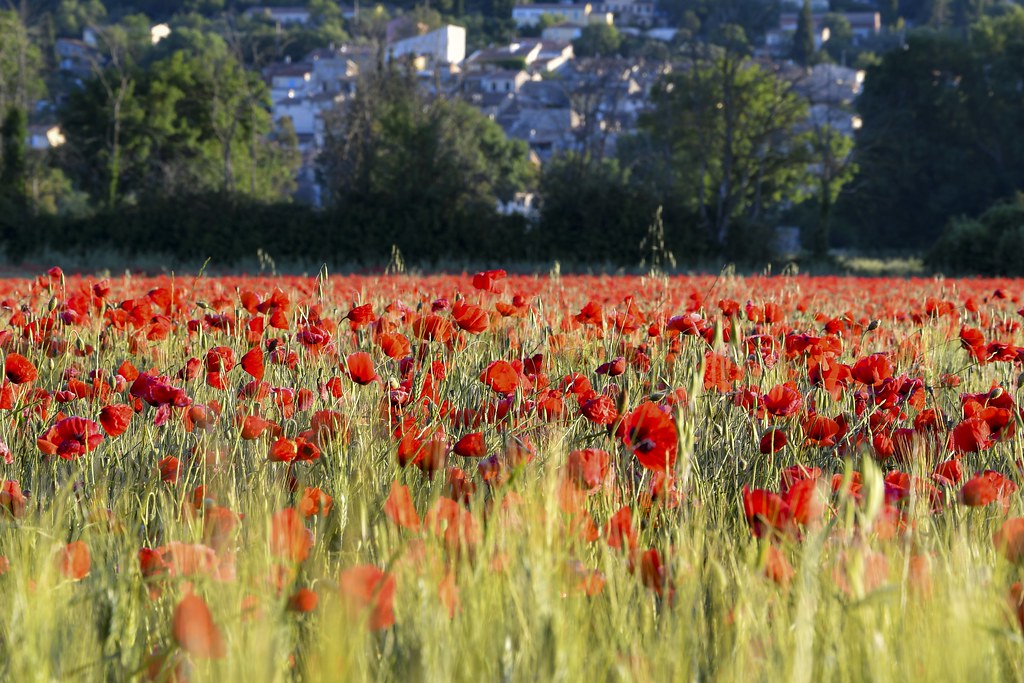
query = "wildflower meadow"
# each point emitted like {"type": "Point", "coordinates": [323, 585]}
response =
{"type": "Point", "coordinates": [485, 477]}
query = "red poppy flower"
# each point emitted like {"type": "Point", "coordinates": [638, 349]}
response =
{"type": "Point", "coordinates": [254, 425]}
{"type": "Point", "coordinates": [948, 473]}
{"type": "Point", "coordinates": [12, 499]}
{"type": "Point", "coordinates": [612, 368]}
{"type": "Point", "coordinates": [303, 600]}
{"type": "Point", "coordinates": [1009, 540]}
{"type": "Point", "coordinates": [448, 592]}
{"type": "Point", "coordinates": [184, 560]}
{"type": "Point", "coordinates": [115, 419]}
{"type": "Point", "coordinates": [986, 488]}
{"type": "Point", "coordinates": [314, 502]}
{"type": "Point", "coordinates": [360, 368]}
{"type": "Point", "coordinates": [653, 572]}
{"type": "Point", "coordinates": [287, 451]}
{"type": "Point", "coordinates": [360, 316]}
{"type": "Point", "coordinates": [765, 511]}
{"type": "Point", "coordinates": [433, 328]}
{"type": "Point", "coordinates": [289, 538]}
{"type": "Point", "coordinates": [600, 410]}
{"type": "Point", "coordinates": [652, 437]}
{"type": "Point", "coordinates": [194, 630]}
{"type": "Point", "coordinates": [73, 561]}
{"type": "Point", "coordinates": [471, 446]}
{"type": "Point", "coordinates": [806, 500]}
{"type": "Point", "coordinates": [619, 530]}
{"type": "Point", "coordinates": [472, 319]}
{"type": "Point", "coordinates": [777, 567]}
{"type": "Point", "coordinates": [1016, 600]}
{"type": "Point", "coordinates": [970, 436]}
{"type": "Point", "coordinates": [19, 370]}
{"type": "Point", "coordinates": [220, 359]}
{"type": "Point", "coordinates": [974, 341]}
{"type": "Point", "coordinates": [170, 469]}
{"type": "Point", "coordinates": [70, 438]}
{"type": "Point", "coordinates": [368, 588]}
{"type": "Point", "coordinates": [252, 363]}
{"type": "Point", "coordinates": [589, 468]}
{"type": "Point", "coordinates": [501, 377]}
{"type": "Point", "coordinates": [794, 473]}
{"type": "Point", "coordinates": [394, 345]}
{"type": "Point", "coordinates": [453, 524]}
{"type": "Point", "coordinates": [430, 455]}
{"type": "Point", "coordinates": [157, 391]}
{"type": "Point", "coordinates": [783, 400]}
{"type": "Point", "coordinates": [399, 508]}
{"type": "Point", "coordinates": [773, 441]}
{"type": "Point", "coordinates": [873, 369]}
{"type": "Point", "coordinates": [820, 431]}
{"type": "Point", "coordinates": [720, 372]}
{"type": "Point", "coordinates": [459, 487]}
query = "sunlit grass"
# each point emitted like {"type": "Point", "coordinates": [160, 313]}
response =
{"type": "Point", "coordinates": [527, 595]}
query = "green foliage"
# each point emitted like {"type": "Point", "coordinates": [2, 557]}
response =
{"type": "Point", "coordinates": [592, 213]}
{"type": "Point", "coordinates": [803, 51]}
{"type": "Point", "coordinates": [195, 120]}
{"type": "Point", "coordinates": [598, 40]}
{"type": "Point", "coordinates": [13, 132]}
{"type": "Point", "coordinates": [705, 18]}
{"type": "Point", "coordinates": [839, 45]}
{"type": "Point", "coordinates": [423, 175]}
{"type": "Point", "coordinates": [729, 127]}
{"type": "Point", "coordinates": [73, 16]}
{"type": "Point", "coordinates": [929, 112]}
{"type": "Point", "coordinates": [988, 245]}
{"type": "Point", "coordinates": [20, 64]}
{"type": "Point", "coordinates": [831, 152]}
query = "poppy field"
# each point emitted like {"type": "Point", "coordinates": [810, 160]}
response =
{"type": "Point", "coordinates": [494, 477]}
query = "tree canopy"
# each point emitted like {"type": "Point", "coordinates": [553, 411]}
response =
{"type": "Point", "coordinates": [424, 173]}
{"type": "Point", "coordinates": [929, 112]}
{"type": "Point", "coordinates": [195, 120]}
{"type": "Point", "coordinates": [730, 128]}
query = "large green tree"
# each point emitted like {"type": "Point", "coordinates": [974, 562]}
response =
{"type": "Point", "coordinates": [731, 130]}
{"type": "Point", "coordinates": [13, 131]}
{"type": "Point", "coordinates": [73, 16]}
{"type": "Point", "coordinates": [423, 174]}
{"type": "Point", "coordinates": [20, 63]}
{"type": "Point", "coordinates": [593, 211]}
{"type": "Point", "coordinates": [598, 40]}
{"type": "Point", "coordinates": [941, 133]}
{"type": "Point", "coordinates": [195, 120]}
{"type": "Point", "coordinates": [803, 49]}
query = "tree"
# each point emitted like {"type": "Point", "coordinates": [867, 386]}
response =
{"type": "Point", "coordinates": [194, 121]}
{"type": "Point", "coordinates": [423, 175]}
{"type": "Point", "coordinates": [95, 118]}
{"type": "Point", "coordinates": [730, 127]}
{"type": "Point", "coordinates": [13, 133]}
{"type": "Point", "coordinates": [20, 62]}
{"type": "Point", "coordinates": [592, 212]}
{"type": "Point", "coordinates": [890, 10]}
{"type": "Point", "coordinates": [831, 152]}
{"type": "Point", "coordinates": [930, 112]}
{"type": "Point", "coordinates": [707, 17]}
{"type": "Point", "coordinates": [73, 16]}
{"type": "Point", "coordinates": [802, 51]}
{"type": "Point", "coordinates": [597, 40]}
{"type": "Point", "coordinates": [987, 245]}
{"type": "Point", "coordinates": [839, 45]}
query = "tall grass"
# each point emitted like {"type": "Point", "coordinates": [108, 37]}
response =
{"type": "Point", "coordinates": [523, 610]}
